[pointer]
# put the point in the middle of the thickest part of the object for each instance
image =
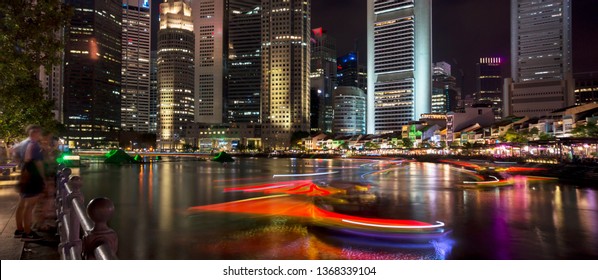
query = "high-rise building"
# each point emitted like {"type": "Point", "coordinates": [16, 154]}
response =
{"type": "Point", "coordinates": [441, 69]}
{"type": "Point", "coordinates": [285, 70]}
{"type": "Point", "coordinates": [176, 81]}
{"type": "Point", "coordinates": [322, 79]}
{"type": "Point", "coordinates": [209, 18]}
{"type": "Point", "coordinates": [444, 92]}
{"type": "Point", "coordinates": [399, 63]}
{"type": "Point", "coordinates": [51, 81]}
{"type": "Point", "coordinates": [242, 95]}
{"type": "Point", "coordinates": [540, 40]}
{"type": "Point", "coordinates": [489, 84]}
{"type": "Point", "coordinates": [349, 72]}
{"type": "Point", "coordinates": [92, 73]}
{"type": "Point", "coordinates": [349, 110]}
{"type": "Point", "coordinates": [135, 93]}
{"type": "Point", "coordinates": [541, 58]}
{"type": "Point", "coordinates": [586, 88]}
{"type": "Point", "coordinates": [154, 100]}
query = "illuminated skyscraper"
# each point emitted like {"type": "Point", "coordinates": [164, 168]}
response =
{"type": "Point", "coordinates": [285, 70]}
{"type": "Point", "coordinates": [399, 63]}
{"type": "Point", "coordinates": [153, 116]}
{"type": "Point", "coordinates": [444, 91]}
{"type": "Point", "coordinates": [135, 93]}
{"type": "Point", "coordinates": [322, 80]}
{"type": "Point", "coordinates": [540, 40]}
{"type": "Point", "coordinates": [242, 94]}
{"type": "Point", "coordinates": [51, 81]}
{"type": "Point", "coordinates": [209, 25]}
{"type": "Point", "coordinates": [586, 88]}
{"type": "Point", "coordinates": [176, 44]}
{"type": "Point", "coordinates": [489, 84]}
{"type": "Point", "coordinates": [92, 73]}
{"type": "Point", "coordinates": [350, 73]}
{"type": "Point", "coordinates": [349, 111]}
{"type": "Point", "coordinates": [541, 57]}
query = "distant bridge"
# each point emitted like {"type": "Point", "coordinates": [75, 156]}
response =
{"type": "Point", "coordinates": [143, 154]}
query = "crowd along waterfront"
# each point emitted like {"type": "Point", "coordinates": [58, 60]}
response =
{"type": "Point", "coordinates": [286, 208]}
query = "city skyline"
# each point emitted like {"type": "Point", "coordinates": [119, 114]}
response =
{"type": "Point", "coordinates": [451, 35]}
{"type": "Point", "coordinates": [399, 74]}
{"type": "Point", "coordinates": [242, 132]}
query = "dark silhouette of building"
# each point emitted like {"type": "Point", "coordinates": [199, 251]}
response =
{"type": "Point", "coordinates": [586, 88]}
{"type": "Point", "coordinates": [242, 89]}
{"type": "Point", "coordinates": [489, 84]}
{"type": "Point", "coordinates": [349, 73]}
{"type": "Point", "coordinates": [322, 79]}
{"type": "Point", "coordinates": [445, 96]}
{"type": "Point", "coordinates": [92, 73]}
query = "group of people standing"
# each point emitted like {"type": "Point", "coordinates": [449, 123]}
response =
{"type": "Point", "coordinates": [36, 156]}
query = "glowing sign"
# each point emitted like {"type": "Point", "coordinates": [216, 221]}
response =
{"type": "Point", "coordinates": [71, 157]}
{"type": "Point", "coordinates": [146, 4]}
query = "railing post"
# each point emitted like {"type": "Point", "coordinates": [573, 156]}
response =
{"type": "Point", "coordinates": [62, 178]}
{"type": "Point", "coordinates": [63, 211]}
{"type": "Point", "coordinates": [74, 230]}
{"type": "Point", "coordinates": [100, 210]}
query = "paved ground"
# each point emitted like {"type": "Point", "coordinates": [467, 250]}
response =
{"type": "Point", "coordinates": [13, 248]}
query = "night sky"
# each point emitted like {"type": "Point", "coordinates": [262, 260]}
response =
{"type": "Point", "coordinates": [463, 31]}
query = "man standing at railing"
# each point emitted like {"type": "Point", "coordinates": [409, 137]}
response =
{"type": "Point", "coordinates": [31, 183]}
{"type": "Point", "coordinates": [45, 210]}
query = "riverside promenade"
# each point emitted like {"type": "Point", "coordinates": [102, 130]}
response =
{"type": "Point", "coordinates": [13, 248]}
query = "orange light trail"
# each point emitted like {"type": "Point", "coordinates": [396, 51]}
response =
{"type": "Point", "coordinates": [298, 187]}
{"type": "Point", "coordinates": [286, 205]}
{"type": "Point", "coordinates": [524, 169]}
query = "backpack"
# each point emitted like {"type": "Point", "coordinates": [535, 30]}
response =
{"type": "Point", "coordinates": [18, 152]}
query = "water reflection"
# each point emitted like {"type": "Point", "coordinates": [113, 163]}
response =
{"type": "Point", "coordinates": [526, 220]}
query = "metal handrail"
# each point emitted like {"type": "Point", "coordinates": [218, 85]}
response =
{"type": "Point", "coordinates": [86, 222]}
{"type": "Point", "coordinates": [99, 241]}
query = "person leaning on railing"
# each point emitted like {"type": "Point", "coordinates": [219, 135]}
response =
{"type": "Point", "coordinates": [45, 210]}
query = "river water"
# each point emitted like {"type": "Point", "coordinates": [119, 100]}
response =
{"type": "Point", "coordinates": [155, 218]}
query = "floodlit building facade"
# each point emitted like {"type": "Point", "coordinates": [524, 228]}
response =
{"type": "Point", "coordinates": [136, 63]}
{"type": "Point", "coordinates": [176, 44]}
{"type": "Point", "coordinates": [285, 85]}
{"type": "Point", "coordinates": [349, 111]}
{"type": "Point", "coordinates": [208, 24]}
{"type": "Point", "coordinates": [399, 63]}
{"type": "Point", "coordinates": [541, 58]}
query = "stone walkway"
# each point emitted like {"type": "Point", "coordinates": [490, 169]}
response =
{"type": "Point", "coordinates": [13, 248]}
{"type": "Point", "coordinates": [10, 247]}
